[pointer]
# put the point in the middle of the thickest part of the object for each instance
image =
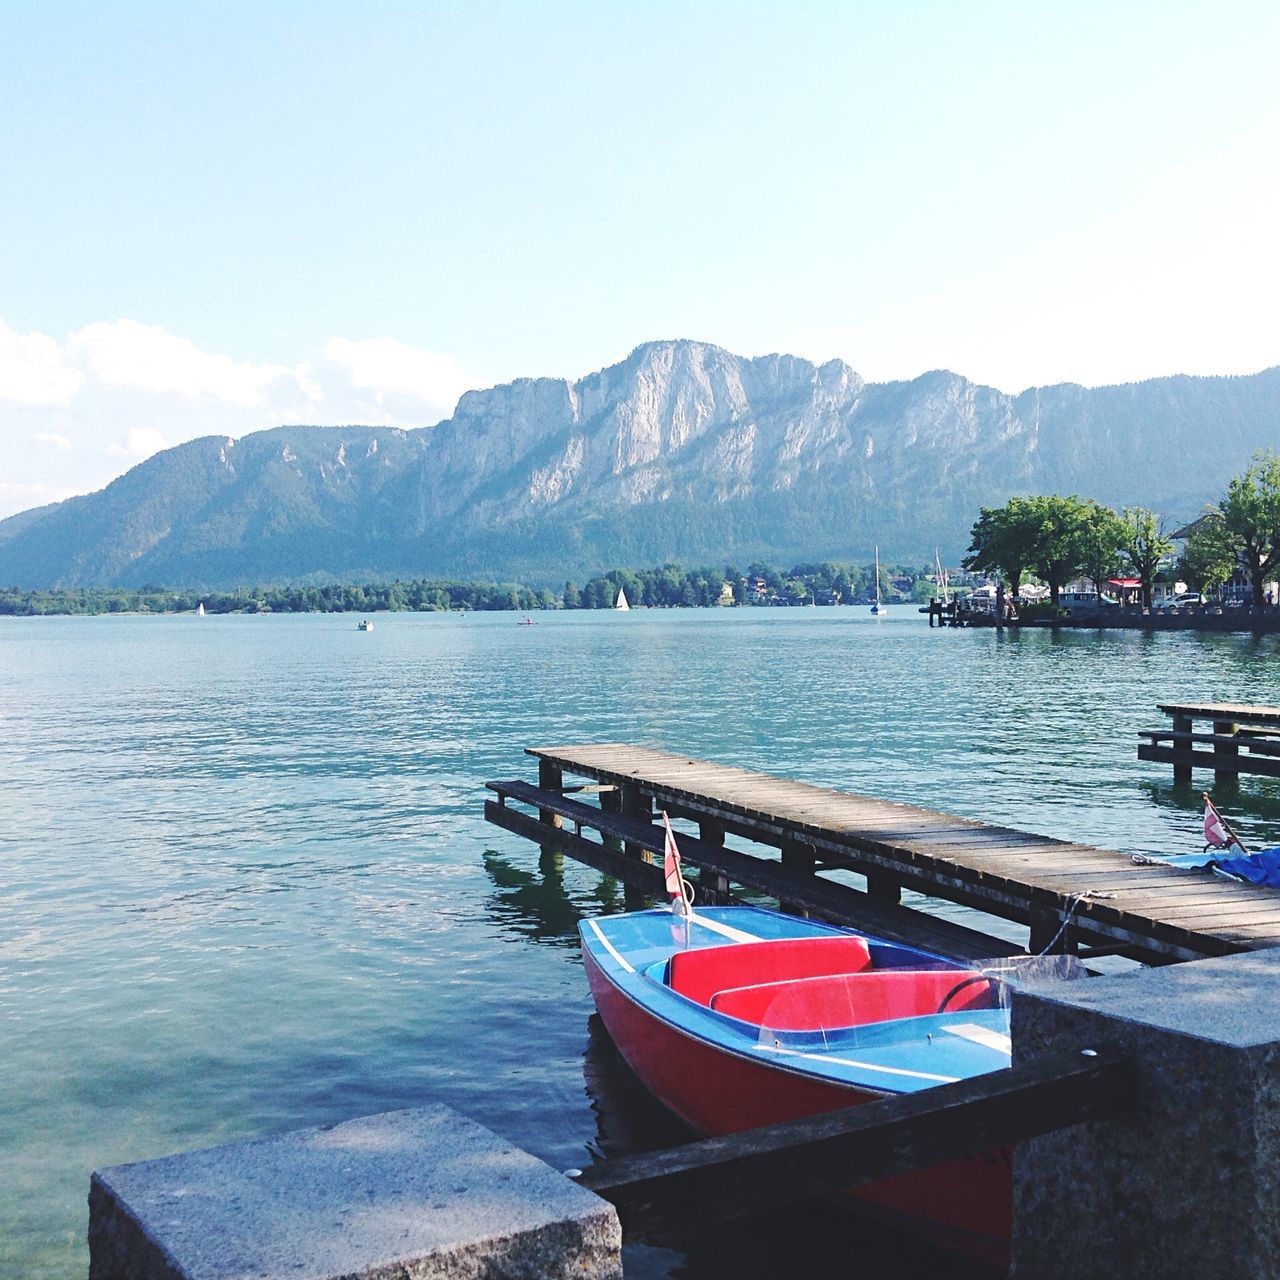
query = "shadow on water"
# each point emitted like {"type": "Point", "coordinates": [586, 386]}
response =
{"type": "Point", "coordinates": [539, 905]}
{"type": "Point", "coordinates": [813, 1240]}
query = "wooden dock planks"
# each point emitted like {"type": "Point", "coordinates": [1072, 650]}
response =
{"type": "Point", "coordinates": [1010, 873]}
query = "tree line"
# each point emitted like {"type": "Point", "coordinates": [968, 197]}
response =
{"type": "Point", "coordinates": [1060, 539]}
{"type": "Point", "coordinates": [666, 586]}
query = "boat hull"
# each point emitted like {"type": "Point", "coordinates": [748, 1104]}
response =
{"type": "Point", "coordinates": [964, 1205]}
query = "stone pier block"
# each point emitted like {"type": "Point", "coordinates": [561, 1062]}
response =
{"type": "Point", "coordinates": [407, 1195]}
{"type": "Point", "coordinates": [1190, 1184]}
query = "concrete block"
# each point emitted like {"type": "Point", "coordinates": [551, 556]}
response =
{"type": "Point", "coordinates": [1190, 1184]}
{"type": "Point", "coordinates": [406, 1195]}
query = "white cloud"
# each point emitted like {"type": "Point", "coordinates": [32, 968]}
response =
{"type": "Point", "coordinates": [74, 414]}
{"type": "Point", "coordinates": [34, 369]}
{"type": "Point", "coordinates": [21, 497]}
{"type": "Point", "coordinates": [149, 358]}
{"type": "Point", "coordinates": [141, 442]}
{"type": "Point", "coordinates": [396, 372]}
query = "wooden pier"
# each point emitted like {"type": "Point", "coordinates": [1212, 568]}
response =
{"type": "Point", "coordinates": [1244, 739]}
{"type": "Point", "coordinates": [1071, 897]}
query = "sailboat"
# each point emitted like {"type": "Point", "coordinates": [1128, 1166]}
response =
{"type": "Point", "coordinates": [878, 610]}
{"type": "Point", "coordinates": [200, 609]}
{"type": "Point", "coordinates": [621, 606]}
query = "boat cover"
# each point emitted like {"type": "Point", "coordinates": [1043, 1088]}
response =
{"type": "Point", "coordinates": [1262, 868]}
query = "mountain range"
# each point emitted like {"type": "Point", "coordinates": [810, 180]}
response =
{"type": "Point", "coordinates": [682, 451]}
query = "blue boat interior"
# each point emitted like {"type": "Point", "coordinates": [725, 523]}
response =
{"type": "Point", "coordinates": [809, 989]}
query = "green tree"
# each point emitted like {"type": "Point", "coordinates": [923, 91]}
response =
{"type": "Point", "coordinates": [1005, 539]}
{"type": "Point", "coordinates": [1145, 545]}
{"type": "Point", "coordinates": [1063, 541]}
{"type": "Point", "coordinates": [1101, 539]}
{"type": "Point", "coordinates": [572, 596]}
{"type": "Point", "coordinates": [1251, 514]}
{"type": "Point", "coordinates": [1209, 554]}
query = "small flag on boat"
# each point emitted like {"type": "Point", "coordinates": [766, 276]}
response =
{"type": "Point", "coordinates": [677, 890]}
{"type": "Point", "coordinates": [1217, 835]}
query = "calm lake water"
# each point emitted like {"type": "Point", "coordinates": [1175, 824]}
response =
{"type": "Point", "coordinates": [246, 885]}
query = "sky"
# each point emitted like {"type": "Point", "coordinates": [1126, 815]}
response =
{"type": "Point", "coordinates": [219, 218]}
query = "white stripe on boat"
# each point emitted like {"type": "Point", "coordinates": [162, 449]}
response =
{"type": "Point", "coordinates": [724, 930]}
{"type": "Point", "coordinates": [864, 1066]}
{"type": "Point", "coordinates": [984, 1036]}
{"type": "Point", "coordinates": [611, 949]}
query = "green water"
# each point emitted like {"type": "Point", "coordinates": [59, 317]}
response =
{"type": "Point", "coordinates": [245, 883]}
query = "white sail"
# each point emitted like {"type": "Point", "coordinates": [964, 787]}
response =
{"type": "Point", "coordinates": [622, 601]}
{"type": "Point", "coordinates": [878, 609]}
{"type": "Point", "coordinates": [200, 609]}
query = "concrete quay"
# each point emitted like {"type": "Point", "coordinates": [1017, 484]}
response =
{"type": "Point", "coordinates": [407, 1195]}
{"type": "Point", "coordinates": [1187, 1183]}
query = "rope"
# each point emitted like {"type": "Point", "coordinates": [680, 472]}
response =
{"type": "Point", "coordinates": [1096, 894]}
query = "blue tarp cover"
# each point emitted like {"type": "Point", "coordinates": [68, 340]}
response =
{"type": "Point", "coordinates": [1258, 868]}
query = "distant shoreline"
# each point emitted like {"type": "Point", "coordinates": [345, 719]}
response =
{"type": "Point", "coordinates": [669, 586]}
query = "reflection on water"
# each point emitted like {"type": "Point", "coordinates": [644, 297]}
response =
{"type": "Point", "coordinates": [246, 884]}
{"type": "Point", "coordinates": [811, 1241]}
{"type": "Point", "coordinates": [538, 905]}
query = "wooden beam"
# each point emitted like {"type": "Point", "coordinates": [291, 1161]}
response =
{"type": "Point", "coordinates": [642, 876]}
{"type": "Point", "coordinates": [1184, 761]}
{"type": "Point", "coordinates": [760, 1170]}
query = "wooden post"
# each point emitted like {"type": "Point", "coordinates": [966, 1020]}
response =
{"type": "Point", "coordinates": [884, 886]}
{"type": "Point", "coordinates": [1049, 936]}
{"type": "Point", "coordinates": [712, 886]}
{"type": "Point", "coordinates": [799, 859]}
{"type": "Point", "coordinates": [550, 778]}
{"type": "Point", "coordinates": [635, 804]}
{"type": "Point", "coordinates": [1226, 753]}
{"type": "Point", "coordinates": [1182, 724]}
{"type": "Point", "coordinates": [611, 802]}
{"type": "Point", "coordinates": [1000, 605]}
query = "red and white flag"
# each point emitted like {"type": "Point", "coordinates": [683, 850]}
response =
{"type": "Point", "coordinates": [1216, 834]}
{"type": "Point", "coordinates": [671, 870]}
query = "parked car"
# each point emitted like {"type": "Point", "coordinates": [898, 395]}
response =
{"type": "Point", "coordinates": [1085, 601]}
{"type": "Point", "coordinates": [1182, 599]}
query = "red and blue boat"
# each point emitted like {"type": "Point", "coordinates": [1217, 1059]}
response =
{"type": "Point", "coordinates": [736, 1017]}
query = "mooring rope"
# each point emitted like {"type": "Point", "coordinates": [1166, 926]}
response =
{"type": "Point", "coordinates": [1096, 894]}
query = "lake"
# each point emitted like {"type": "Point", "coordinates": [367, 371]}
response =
{"type": "Point", "coordinates": [247, 886]}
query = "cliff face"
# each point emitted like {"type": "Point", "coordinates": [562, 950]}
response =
{"type": "Point", "coordinates": [681, 451]}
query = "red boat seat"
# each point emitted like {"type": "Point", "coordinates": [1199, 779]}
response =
{"type": "Point", "coordinates": [811, 1004]}
{"type": "Point", "coordinates": [700, 973]}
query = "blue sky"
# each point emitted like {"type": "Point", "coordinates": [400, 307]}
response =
{"type": "Point", "coordinates": [221, 217]}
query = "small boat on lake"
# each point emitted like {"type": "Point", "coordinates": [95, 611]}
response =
{"type": "Point", "coordinates": [525, 622]}
{"type": "Point", "coordinates": [736, 1017]}
{"type": "Point", "coordinates": [621, 605]}
{"type": "Point", "coordinates": [364, 625]}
